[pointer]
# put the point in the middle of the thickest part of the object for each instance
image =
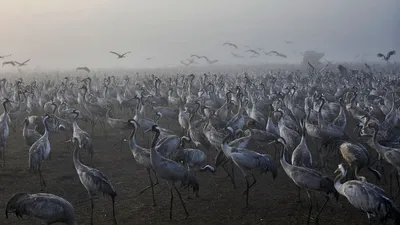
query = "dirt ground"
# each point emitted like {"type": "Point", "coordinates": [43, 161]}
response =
{"type": "Point", "coordinates": [271, 201]}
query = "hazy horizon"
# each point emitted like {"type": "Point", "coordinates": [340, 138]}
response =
{"type": "Point", "coordinates": [66, 34]}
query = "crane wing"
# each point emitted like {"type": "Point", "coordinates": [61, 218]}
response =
{"type": "Point", "coordinates": [126, 53]}
{"type": "Point", "coordinates": [115, 53]}
{"type": "Point", "coordinates": [380, 55]}
{"type": "Point", "coordinates": [390, 54]}
{"type": "Point", "coordinates": [26, 61]}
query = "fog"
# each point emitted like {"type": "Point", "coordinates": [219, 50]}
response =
{"type": "Point", "coordinates": [71, 33]}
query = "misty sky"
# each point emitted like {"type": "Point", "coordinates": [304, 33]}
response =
{"type": "Point", "coordinates": [71, 33]}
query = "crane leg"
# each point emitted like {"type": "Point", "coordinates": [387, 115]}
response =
{"type": "Point", "coordinates": [310, 208]}
{"type": "Point", "coordinates": [42, 181]}
{"type": "Point", "coordinates": [298, 195]}
{"type": "Point", "coordinates": [3, 155]}
{"type": "Point", "coordinates": [92, 207]}
{"type": "Point", "coordinates": [251, 185]}
{"type": "Point", "coordinates": [183, 203]}
{"type": "Point", "coordinates": [151, 186]}
{"type": "Point", "coordinates": [398, 186]}
{"type": "Point", "coordinates": [113, 210]}
{"type": "Point", "coordinates": [233, 175]}
{"type": "Point", "coordinates": [319, 212]}
{"type": "Point", "coordinates": [170, 206]}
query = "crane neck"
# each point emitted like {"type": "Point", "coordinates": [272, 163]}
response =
{"type": "Point", "coordinates": [154, 156]}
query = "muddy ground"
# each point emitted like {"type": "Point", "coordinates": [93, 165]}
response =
{"type": "Point", "coordinates": [271, 201]}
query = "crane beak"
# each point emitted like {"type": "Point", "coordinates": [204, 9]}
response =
{"type": "Point", "coordinates": [147, 131]}
{"type": "Point", "coordinates": [337, 170]}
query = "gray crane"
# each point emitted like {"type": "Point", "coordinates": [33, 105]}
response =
{"type": "Point", "coordinates": [367, 197]}
{"type": "Point", "coordinates": [93, 180]}
{"type": "Point", "coordinates": [48, 208]}
{"type": "Point", "coordinates": [171, 171]}
{"type": "Point", "coordinates": [308, 179]}
{"type": "Point", "coordinates": [4, 130]}
{"type": "Point", "coordinates": [39, 151]}
{"type": "Point", "coordinates": [142, 157]}
{"type": "Point", "coordinates": [30, 135]}
{"type": "Point", "coordinates": [82, 136]}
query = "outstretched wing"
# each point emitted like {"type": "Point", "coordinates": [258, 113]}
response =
{"type": "Point", "coordinates": [195, 56]}
{"type": "Point", "coordinates": [186, 64]}
{"type": "Point", "coordinates": [126, 53]}
{"type": "Point", "coordinates": [390, 54]}
{"type": "Point", "coordinates": [380, 55]}
{"type": "Point", "coordinates": [115, 53]}
{"type": "Point", "coordinates": [26, 61]}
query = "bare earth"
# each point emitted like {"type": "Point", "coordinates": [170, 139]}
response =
{"type": "Point", "coordinates": [271, 201]}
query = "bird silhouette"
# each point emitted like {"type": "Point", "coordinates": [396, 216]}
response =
{"type": "Point", "coordinates": [230, 44]}
{"type": "Point", "coordinates": [185, 63]}
{"type": "Point", "coordinates": [236, 55]}
{"type": "Point", "coordinates": [276, 54]}
{"type": "Point", "coordinates": [253, 51]}
{"type": "Point", "coordinates": [150, 58]}
{"type": "Point", "coordinates": [119, 55]}
{"type": "Point", "coordinates": [22, 64]}
{"type": "Point", "coordinates": [12, 63]}
{"type": "Point", "coordinates": [83, 68]}
{"type": "Point", "coordinates": [4, 56]}
{"type": "Point", "coordinates": [388, 55]}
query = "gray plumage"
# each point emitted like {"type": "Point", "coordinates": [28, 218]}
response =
{"type": "Point", "coordinates": [93, 180]}
{"type": "Point", "coordinates": [367, 197]}
{"type": "Point", "coordinates": [30, 135]}
{"type": "Point", "coordinates": [40, 151]}
{"type": "Point", "coordinates": [48, 208]}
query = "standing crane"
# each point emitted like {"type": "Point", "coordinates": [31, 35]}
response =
{"type": "Point", "coordinates": [39, 151]}
{"type": "Point", "coordinates": [93, 180]}
{"type": "Point", "coordinates": [308, 179]}
{"type": "Point", "coordinates": [367, 197]}
{"type": "Point", "coordinates": [142, 156]}
{"type": "Point", "coordinates": [47, 207]}
{"type": "Point", "coordinates": [4, 130]}
{"type": "Point", "coordinates": [171, 171]}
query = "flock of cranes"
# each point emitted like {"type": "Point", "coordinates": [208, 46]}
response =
{"type": "Point", "coordinates": [238, 121]}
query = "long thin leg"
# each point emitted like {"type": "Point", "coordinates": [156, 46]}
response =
{"type": "Point", "coordinates": [4, 154]}
{"type": "Point", "coordinates": [170, 207]}
{"type": "Point", "coordinates": [298, 194]}
{"type": "Point", "coordinates": [251, 185]}
{"type": "Point", "coordinates": [233, 174]}
{"type": "Point", "coordinates": [319, 212]}
{"type": "Point", "coordinates": [113, 208]}
{"type": "Point", "coordinates": [92, 207]}
{"type": "Point", "coordinates": [183, 203]}
{"type": "Point", "coordinates": [309, 210]}
{"type": "Point", "coordinates": [42, 181]}
{"type": "Point", "coordinates": [151, 186]}
{"type": "Point", "coordinates": [247, 192]}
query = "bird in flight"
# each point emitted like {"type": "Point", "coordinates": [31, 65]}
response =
{"type": "Point", "coordinates": [119, 55]}
{"type": "Point", "coordinates": [236, 55]}
{"type": "Point", "coordinates": [276, 54]}
{"type": "Point", "coordinates": [388, 55]}
{"type": "Point", "coordinates": [191, 61]}
{"type": "Point", "coordinates": [198, 57]}
{"type": "Point", "coordinates": [150, 58]}
{"type": "Point", "coordinates": [186, 63]}
{"type": "Point", "coordinates": [4, 56]}
{"type": "Point", "coordinates": [12, 63]}
{"type": "Point", "coordinates": [288, 42]}
{"type": "Point", "coordinates": [22, 64]}
{"type": "Point", "coordinates": [210, 61]}
{"type": "Point", "coordinates": [230, 44]}
{"type": "Point", "coordinates": [253, 51]}
{"type": "Point", "coordinates": [85, 68]}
